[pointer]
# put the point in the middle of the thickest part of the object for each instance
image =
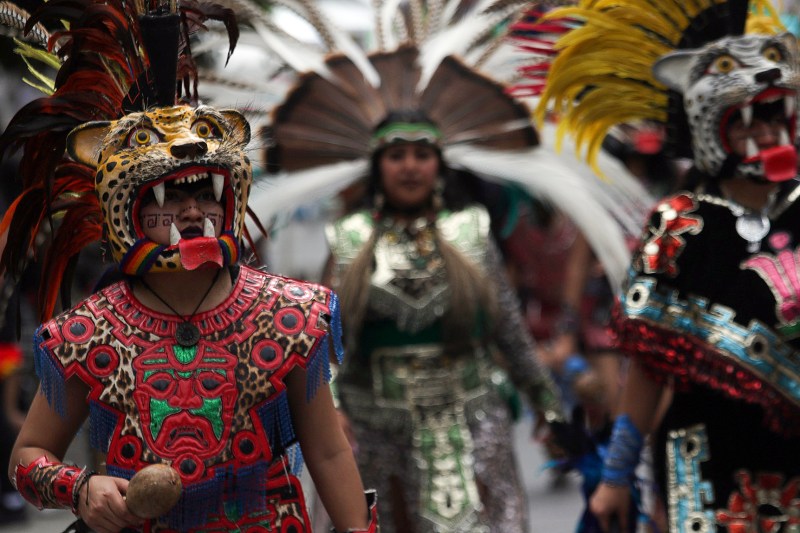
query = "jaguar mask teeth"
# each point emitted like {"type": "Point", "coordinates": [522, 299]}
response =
{"type": "Point", "coordinates": [769, 106]}
{"type": "Point", "coordinates": [174, 235]}
{"type": "Point", "coordinates": [208, 228]}
{"type": "Point", "coordinates": [747, 115]}
{"type": "Point", "coordinates": [219, 184]}
{"type": "Point", "coordinates": [752, 148]}
{"type": "Point", "coordinates": [783, 139]}
{"type": "Point", "coordinates": [158, 192]}
{"type": "Point", "coordinates": [135, 154]}
{"type": "Point", "coordinates": [789, 106]}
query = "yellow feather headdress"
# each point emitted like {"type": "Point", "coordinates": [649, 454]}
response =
{"type": "Point", "coordinates": [601, 74]}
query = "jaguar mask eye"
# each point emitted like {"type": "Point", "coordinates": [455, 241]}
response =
{"type": "Point", "coordinates": [141, 138]}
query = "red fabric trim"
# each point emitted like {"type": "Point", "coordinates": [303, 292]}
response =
{"type": "Point", "coordinates": [46, 483]}
{"type": "Point", "coordinates": [23, 480]}
{"type": "Point", "coordinates": [665, 353]}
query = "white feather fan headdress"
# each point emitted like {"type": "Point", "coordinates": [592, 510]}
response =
{"type": "Point", "coordinates": [432, 57]}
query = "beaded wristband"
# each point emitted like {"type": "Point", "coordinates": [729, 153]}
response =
{"type": "Point", "coordinates": [574, 366]}
{"type": "Point", "coordinates": [623, 453]}
{"type": "Point", "coordinates": [83, 479]}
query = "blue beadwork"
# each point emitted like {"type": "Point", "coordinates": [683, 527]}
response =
{"type": "Point", "coordinates": [277, 423]}
{"type": "Point", "coordinates": [50, 372]}
{"type": "Point", "coordinates": [623, 453]}
{"type": "Point", "coordinates": [296, 461]}
{"type": "Point", "coordinates": [318, 367]}
{"type": "Point", "coordinates": [336, 328]}
{"type": "Point", "coordinates": [688, 493]}
{"type": "Point", "coordinates": [102, 423]}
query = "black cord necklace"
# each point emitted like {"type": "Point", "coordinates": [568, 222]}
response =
{"type": "Point", "coordinates": [186, 333]}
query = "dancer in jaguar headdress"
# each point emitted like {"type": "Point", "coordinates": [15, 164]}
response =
{"type": "Point", "coordinates": [710, 306]}
{"type": "Point", "coordinates": [185, 357]}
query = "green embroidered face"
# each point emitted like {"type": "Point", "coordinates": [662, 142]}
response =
{"type": "Point", "coordinates": [185, 398]}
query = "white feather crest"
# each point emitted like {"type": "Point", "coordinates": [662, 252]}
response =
{"type": "Point", "coordinates": [301, 60]}
{"type": "Point", "coordinates": [449, 11]}
{"type": "Point", "coordinates": [385, 17]}
{"type": "Point", "coordinates": [593, 205]}
{"type": "Point", "coordinates": [454, 40]}
{"type": "Point", "coordinates": [342, 42]}
{"type": "Point", "coordinates": [281, 195]}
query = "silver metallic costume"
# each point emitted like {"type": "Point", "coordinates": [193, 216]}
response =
{"type": "Point", "coordinates": [432, 431]}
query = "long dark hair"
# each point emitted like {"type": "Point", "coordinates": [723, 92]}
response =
{"type": "Point", "coordinates": [469, 292]}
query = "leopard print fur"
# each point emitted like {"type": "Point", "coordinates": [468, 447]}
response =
{"type": "Point", "coordinates": [141, 151]}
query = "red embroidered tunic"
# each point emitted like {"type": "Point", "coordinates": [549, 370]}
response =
{"type": "Point", "coordinates": [217, 411]}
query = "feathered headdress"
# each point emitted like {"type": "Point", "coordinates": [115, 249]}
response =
{"type": "Point", "coordinates": [433, 57]}
{"type": "Point", "coordinates": [592, 64]}
{"type": "Point", "coordinates": [323, 122]}
{"type": "Point", "coordinates": [113, 57]}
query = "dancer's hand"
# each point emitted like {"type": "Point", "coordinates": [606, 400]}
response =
{"type": "Point", "coordinates": [543, 434]}
{"type": "Point", "coordinates": [556, 352]}
{"type": "Point", "coordinates": [101, 504]}
{"type": "Point", "coordinates": [610, 504]}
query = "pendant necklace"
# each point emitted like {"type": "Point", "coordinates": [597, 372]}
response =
{"type": "Point", "coordinates": [186, 333]}
{"type": "Point", "coordinates": [752, 226]}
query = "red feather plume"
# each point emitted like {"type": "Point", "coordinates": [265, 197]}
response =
{"type": "Point", "coordinates": [103, 58]}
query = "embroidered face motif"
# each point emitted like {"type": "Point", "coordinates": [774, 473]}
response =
{"type": "Point", "coordinates": [185, 398]}
{"type": "Point", "coordinates": [137, 155]}
{"type": "Point", "coordinates": [739, 81]}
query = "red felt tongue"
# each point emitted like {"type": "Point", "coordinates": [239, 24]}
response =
{"type": "Point", "coordinates": [200, 251]}
{"type": "Point", "coordinates": [780, 162]}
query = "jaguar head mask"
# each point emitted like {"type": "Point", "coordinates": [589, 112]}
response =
{"type": "Point", "coordinates": [747, 78]}
{"type": "Point", "coordinates": [141, 153]}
